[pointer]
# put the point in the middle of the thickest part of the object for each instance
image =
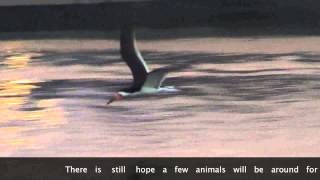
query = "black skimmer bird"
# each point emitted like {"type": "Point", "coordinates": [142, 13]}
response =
{"type": "Point", "coordinates": [144, 80]}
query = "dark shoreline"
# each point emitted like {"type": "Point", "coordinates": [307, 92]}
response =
{"type": "Point", "coordinates": [162, 34]}
{"type": "Point", "coordinates": [228, 14]}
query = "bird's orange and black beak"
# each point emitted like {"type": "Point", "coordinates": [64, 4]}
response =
{"type": "Point", "coordinates": [115, 97]}
{"type": "Point", "coordinates": [110, 101]}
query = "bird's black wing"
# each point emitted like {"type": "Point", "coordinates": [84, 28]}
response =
{"type": "Point", "coordinates": [132, 57]}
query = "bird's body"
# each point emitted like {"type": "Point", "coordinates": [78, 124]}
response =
{"type": "Point", "coordinates": [144, 80]}
{"type": "Point", "coordinates": [149, 91]}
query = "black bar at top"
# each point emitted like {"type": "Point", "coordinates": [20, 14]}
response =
{"type": "Point", "coordinates": [161, 14]}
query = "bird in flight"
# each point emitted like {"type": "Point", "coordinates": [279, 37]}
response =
{"type": "Point", "coordinates": [144, 80]}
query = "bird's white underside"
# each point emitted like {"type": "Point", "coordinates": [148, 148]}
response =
{"type": "Point", "coordinates": [148, 91]}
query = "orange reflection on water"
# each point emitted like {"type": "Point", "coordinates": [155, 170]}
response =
{"type": "Point", "coordinates": [44, 114]}
{"type": "Point", "coordinates": [16, 88]}
{"type": "Point", "coordinates": [17, 61]}
{"type": "Point", "coordinates": [20, 112]}
{"type": "Point", "coordinates": [16, 93]}
{"type": "Point", "coordinates": [13, 94]}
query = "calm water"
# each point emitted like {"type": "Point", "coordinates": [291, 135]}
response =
{"type": "Point", "coordinates": [239, 97]}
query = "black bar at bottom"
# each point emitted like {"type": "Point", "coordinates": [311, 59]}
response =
{"type": "Point", "coordinates": [159, 168]}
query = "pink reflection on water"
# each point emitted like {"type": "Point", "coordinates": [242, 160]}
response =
{"type": "Point", "coordinates": [258, 105]}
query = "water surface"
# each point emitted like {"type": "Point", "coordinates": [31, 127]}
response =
{"type": "Point", "coordinates": [248, 96]}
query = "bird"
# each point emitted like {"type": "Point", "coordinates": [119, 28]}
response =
{"type": "Point", "coordinates": [152, 85]}
{"type": "Point", "coordinates": [144, 80]}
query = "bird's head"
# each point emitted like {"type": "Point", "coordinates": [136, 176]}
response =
{"type": "Point", "coordinates": [116, 97]}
